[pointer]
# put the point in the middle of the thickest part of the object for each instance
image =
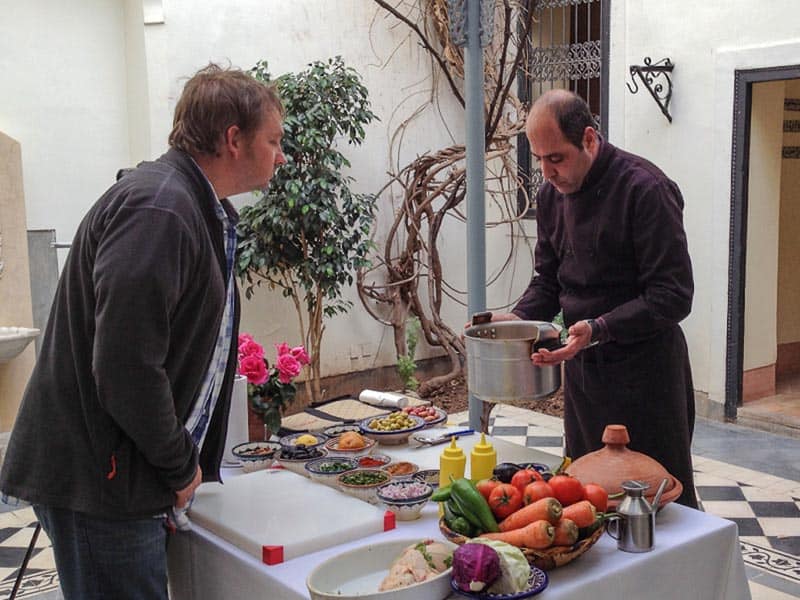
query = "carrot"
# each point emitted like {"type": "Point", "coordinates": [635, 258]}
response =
{"type": "Point", "coordinates": [548, 509]}
{"type": "Point", "coordinates": [536, 535]}
{"type": "Point", "coordinates": [566, 533]}
{"type": "Point", "coordinates": [583, 513]}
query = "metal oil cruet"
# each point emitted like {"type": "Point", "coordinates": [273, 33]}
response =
{"type": "Point", "coordinates": [634, 526]}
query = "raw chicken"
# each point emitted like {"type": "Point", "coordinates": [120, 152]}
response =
{"type": "Point", "coordinates": [419, 562]}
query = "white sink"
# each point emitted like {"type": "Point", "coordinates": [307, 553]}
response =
{"type": "Point", "coordinates": [13, 340]}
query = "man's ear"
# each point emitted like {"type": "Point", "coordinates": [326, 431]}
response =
{"type": "Point", "coordinates": [590, 140]}
{"type": "Point", "coordinates": [234, 141]}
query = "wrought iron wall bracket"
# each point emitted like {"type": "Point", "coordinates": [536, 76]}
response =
{"type": "Point", "coordinates": [649, 73]}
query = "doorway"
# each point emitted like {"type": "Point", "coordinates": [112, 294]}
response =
{"type": "Point", "coordinates": [763, 331]}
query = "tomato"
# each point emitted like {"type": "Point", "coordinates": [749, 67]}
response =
{"type": "Point", "coordinates": [536, 491]}
{"type": "Point", "coordinates": [525, 476]}
{"type": "Point", "coordinates": [568, 490]}
{"type": "Point", "coordinates": [485, 487]}
{"type": "Point", "coordinates": [504, 500]}
{"type": "Point", "coordinates": [597, 495]}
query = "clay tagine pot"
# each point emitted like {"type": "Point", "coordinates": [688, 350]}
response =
{"type": "Point", "coordinates": [615, 463]}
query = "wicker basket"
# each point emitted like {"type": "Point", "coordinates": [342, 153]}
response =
{"type": "Point", "coordinates": [547, 559]}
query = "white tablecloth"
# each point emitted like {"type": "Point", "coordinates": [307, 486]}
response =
{"type": "Point", "coordinates": [696, 556]}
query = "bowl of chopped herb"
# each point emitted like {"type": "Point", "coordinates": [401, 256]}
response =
{"type": "Point", "coordinates": [327, 469]}
{"type": "Point", "coordinates": [363, 483]}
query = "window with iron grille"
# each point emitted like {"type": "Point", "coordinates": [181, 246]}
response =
{"type": "Point", "coordinates": [568, 49]}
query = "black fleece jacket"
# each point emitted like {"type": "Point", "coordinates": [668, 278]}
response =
{"type": "Point", "coordinates": [129, 339]}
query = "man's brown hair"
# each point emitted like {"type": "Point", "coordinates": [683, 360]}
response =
{"type": "Point", "coordinates": [213, 100]}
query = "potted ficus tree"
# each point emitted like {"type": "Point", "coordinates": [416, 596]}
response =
{"type": "Point", "coordinates": [309, 233]}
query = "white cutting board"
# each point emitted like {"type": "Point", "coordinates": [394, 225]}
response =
{"type": "Point", "coordinates": [276, 515]}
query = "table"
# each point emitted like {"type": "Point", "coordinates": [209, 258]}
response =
{"type": "Point", "coordinates": [696, 555]}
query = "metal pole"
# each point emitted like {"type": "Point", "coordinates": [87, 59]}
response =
{"type": "Point", "coordinates": [475, 162]}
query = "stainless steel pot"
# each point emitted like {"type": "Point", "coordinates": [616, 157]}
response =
{"type": "Point", "coordinates": [499, 367]}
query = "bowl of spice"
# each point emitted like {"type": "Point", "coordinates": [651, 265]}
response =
{"type": "Point", "coordinates": [401, 469]}
{"type": "Point", "coordinates": [405, 498]}
{"type": "Point", "coordinates": [373, 461]}
{"type": "Point", "coordinates": [363, 483]}
{"type": "Point", "coordinates": [328, 468]}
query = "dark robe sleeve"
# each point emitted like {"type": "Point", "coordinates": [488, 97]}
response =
{"type": "Point", "coordinates": [664, 267]}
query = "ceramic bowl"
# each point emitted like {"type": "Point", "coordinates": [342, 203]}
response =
{"type": "Point", "coordinates": [432, 415]}
{"type": "Point", "coordinates": [393, 437]}
{"type": "Point", "coordinates": [328, 468]}
{"type": "Point", "coordinates": [289, 441]}
{"type": "Point", "coordinates": [297, 462]}
{"type": "Point", "coordinates": [405, 498]}
{"type": "Point", "coordinates": [338, 430]}
{"type": "Point", "coordinates": [429, 476]}
{"type": "Point", "coordinates": [363, 491]}
{"type": "Point", "coordinates": [373, 461]}
{"type": "Point", "coordinates": [356, 575]}
{"type": "Point", "coordinates": [332, 446]}
{"type": "Point", "coordinates": [401, 469]}
{"type": "Point", "coordinates": [255, 456]}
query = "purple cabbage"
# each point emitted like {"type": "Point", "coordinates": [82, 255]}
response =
{"type": "Point", "coordinates": [475, 567]}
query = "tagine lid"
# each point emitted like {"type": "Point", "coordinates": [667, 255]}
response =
{"type": "Point", "coordinates": [615, 463]}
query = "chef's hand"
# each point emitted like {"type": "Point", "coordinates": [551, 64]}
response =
{"type": "Point", "coordinates": [183, 496]}
{"type": "Point", "coordinates": [580, 336]}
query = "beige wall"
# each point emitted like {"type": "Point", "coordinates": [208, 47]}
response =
{"type": "Point", "coordinates": [15, 289]}
{"type": "Point", "coordinates": [789, 243]}
{"type": "Point", "coordinates": [763, 207]}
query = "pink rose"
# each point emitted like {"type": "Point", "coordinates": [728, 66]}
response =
{"type": "Point", "coordinates": [288, 368]}
{"type": "Point", "coordinates": [254, 368]}
{"type": "Point", "coordinates": [300, 355]}
{"type": "Point", "coordinates": [250, 348]}
{"type": "Point", "coordinates": [282, 348]}
{"type": "Point", "coordinates": [244, 337]}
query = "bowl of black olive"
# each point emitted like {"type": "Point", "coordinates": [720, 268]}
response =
{"type": "Point", "coordinates": [295, 459]}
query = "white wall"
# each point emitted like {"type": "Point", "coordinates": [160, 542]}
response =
{"type": "Point", "coordinates": [706, 41]}
{"type": "Point", "coordinates": [788, 281]}
{"type": "Point", "coordinates": [763, 211]}
{"type": "Point", "coordinates": [64, 100]}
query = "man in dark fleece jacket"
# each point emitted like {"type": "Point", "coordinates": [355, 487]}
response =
{"type": "Point", "coordinates": [126, 410]}
{"type": "Point", "coordinates": [611, 253]}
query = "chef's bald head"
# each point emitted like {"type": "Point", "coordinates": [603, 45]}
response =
{"type": "Point", "coordinates": [570, 112]}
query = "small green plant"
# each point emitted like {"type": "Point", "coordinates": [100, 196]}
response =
{"type": "Point", "coordinates": [406, 365]}
{"type": "Point", "coordinates": [559, 320]}
{"type": "Point", "coordinates": [308, 234]}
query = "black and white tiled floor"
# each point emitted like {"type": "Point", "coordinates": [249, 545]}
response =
{"type": "Point", "coordinates": [766, 507]}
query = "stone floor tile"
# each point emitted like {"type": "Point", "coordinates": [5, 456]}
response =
{"type": "Point", "coordinates": [758, 494]}
{"type": "Point", "coordinates": [728, 509]}
{"type": "Point", "coordinates": [711, 480]}
{"type": "Point", "coordinates": [762, 592]}
{"type": "Point", "coordinates": [780, 526]}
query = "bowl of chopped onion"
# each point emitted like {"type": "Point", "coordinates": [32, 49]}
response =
{"type": "Point", "coordinates": [405, 498]}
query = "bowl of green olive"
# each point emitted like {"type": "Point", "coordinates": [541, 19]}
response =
{"type": "Point", "coordinates": [393, 428]}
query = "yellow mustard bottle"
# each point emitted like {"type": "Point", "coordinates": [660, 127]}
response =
{"type": "Point", "coordinates": [482, 460]}
{"type": "Point", "coordinates": [452, 462]}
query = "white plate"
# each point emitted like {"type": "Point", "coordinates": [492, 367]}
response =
{"type": "Point", "coordinates": [357, 574]}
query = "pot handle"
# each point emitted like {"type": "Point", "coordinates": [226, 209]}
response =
{"type": "Point", "coordinates": [481, 317]}
{"type": "Point", "coordinates": [613, 520]}
{"type": "Point", "coordinates": [552, 344]}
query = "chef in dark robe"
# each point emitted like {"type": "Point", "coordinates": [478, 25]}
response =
{"type": "Point", "coordinates": [611, 253]}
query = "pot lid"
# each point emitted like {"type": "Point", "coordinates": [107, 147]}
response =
{"type": "Point", "coordinates": [615, 463]}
